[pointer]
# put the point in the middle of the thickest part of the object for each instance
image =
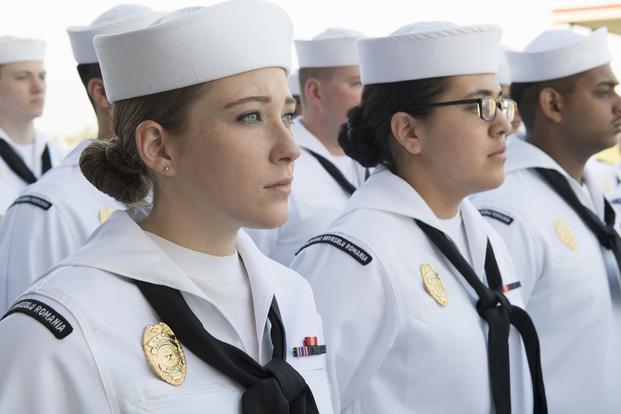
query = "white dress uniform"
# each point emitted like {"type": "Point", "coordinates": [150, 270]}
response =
{"type": "Point", "coordinates": [100, 366]}
{"type": "Point", "coordinates": [5, 197]}
{"type": "Point", "coordinates": [316, 198]}
{"type": "Point", "coordinates": [50, 220]}
{"type": "Point", "coordinates": [604, 174]}
{"type": "Point", "coordinates": [31, 155]}
{"type": "Point", "coordinates": [570, 284]}
{"type": "Point", "coordinates": [393, 348]}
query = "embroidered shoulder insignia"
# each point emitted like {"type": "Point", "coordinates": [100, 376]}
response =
{"type": "Point", "coordinates": [497, 215]}
{"type": "Point", "coordinates": [342, 244]}
{"type": "Point", "coordinates": [36, 201]}
{"type": "Point", "coordinates": [43, 313]}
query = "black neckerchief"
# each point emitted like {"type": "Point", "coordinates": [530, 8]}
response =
{"type": "Point", "coordinates": [496, 310]}
{"type": "Point", "coordinates": [604, 231]}
{"type": "Point", "coordinates": [17, 164]}
{"type": "Point", "coordinates": [276, 388]}
{"type": "Point", "coordinates": [334, 172]}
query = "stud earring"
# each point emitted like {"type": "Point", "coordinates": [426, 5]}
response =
{"type": "Point", "coordinates": [166, 169]}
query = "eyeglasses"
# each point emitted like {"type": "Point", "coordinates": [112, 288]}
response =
{"type": "Point", "coordinates": [486, 107]}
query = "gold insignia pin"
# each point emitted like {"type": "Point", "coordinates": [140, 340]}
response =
{"type": "Point", "coordinates": [164, 353]}
{"type": "Point", "coordinates": [565, 233]}
{"type": "Point", "coordinates": [105, 213]}
{"type": "Point", "coordinates": [433, 284]}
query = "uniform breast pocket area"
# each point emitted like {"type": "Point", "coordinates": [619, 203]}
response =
{"type": "Point", "coordinates": [313, 369]}
{"type": "Point", "coordinates": [204, 398]}
{"type": "Point", "coordinates": [313, 366]}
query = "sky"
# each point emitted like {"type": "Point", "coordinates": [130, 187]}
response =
{"type": "Point", "coordinates": [68, 111]}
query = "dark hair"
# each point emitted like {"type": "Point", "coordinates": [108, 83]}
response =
{"type": "Point", "coordinates": [366, 136]}
{"type": "Point", "coordinates": [115, 166]}
{"type": "Point", "coordinates": [527, 95]}
{"type": "Point", "coordinates": [88, 71]}
{"type": "Point", "coordinates": [304, 74]}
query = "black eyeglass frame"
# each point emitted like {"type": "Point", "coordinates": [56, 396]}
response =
{"type": "Point", "coordinates": [478, 101]}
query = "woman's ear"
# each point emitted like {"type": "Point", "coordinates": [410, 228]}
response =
{"type": "Point", "coordinates": [155, 147]}
{"type": "Point", "coordinates": [406, 130]}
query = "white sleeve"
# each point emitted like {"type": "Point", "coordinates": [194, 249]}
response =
{"type": "Point", "coordinates": [43, 374]}
{"type": "Point", "coordinates": [31, 241]}
{"type": "Point", "coordinates": [359, 313]}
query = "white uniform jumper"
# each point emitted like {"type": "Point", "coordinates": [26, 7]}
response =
{"type": "Point", "coordinates": [604, 174]}
{"type": "Point", "coordinates": [32, 156]}
{"type": "Point", "coordinates": [51, 220]}
{"type": "Point", "coordinates": [316, 198]}
{"type": "Point", "coordinates": [100, 367]}
{"type": "Point", "coordinates": [570, 283]}
{"type": "Point", "coordinates": [393, 347]}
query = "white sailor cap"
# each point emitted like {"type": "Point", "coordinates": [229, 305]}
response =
{"type": "Point", "coordinates": [15, 49]}
{"type": "Point", "coordinates": [556, 54]}
{"type": "Point", "coordinates": [195, 45]}
{"type": "Point", "coordinates": [429, 50]}
{"type": "Point", "coordinates": [121, 18]}
{"type": "Point", "coordinates": [331, 48]}
{"type": "Point", "coordinates": [504, 71]}
{"type": "Point", "coordinates": [294, 83]}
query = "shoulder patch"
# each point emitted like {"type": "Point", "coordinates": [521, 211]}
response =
{"type": "Point", "coordinates": [48, 317]}
{"type": "Point", "coordinates": [34, 200]}
{"type": "Point", "coordinates": [342, 244]}
{"type": "Point", "coordinates": [488, 212]}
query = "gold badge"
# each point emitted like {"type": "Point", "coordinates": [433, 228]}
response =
{"type": "Point", "coordinates": [164, 353]}
{"type": "Point", "coordinates": [433, 284]}
{"type": "Point", "coordinates": [105, 213]}
{"type": "Point", "coordinates": [565, 233]}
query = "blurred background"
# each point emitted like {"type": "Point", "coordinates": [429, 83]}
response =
{"type": "Point", "coordinates": [68, 115]}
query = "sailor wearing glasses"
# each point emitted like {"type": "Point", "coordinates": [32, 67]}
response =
{"type": "Point", "coordinates": [555, 218]}
{"type": "Point", "coordinates": [420, 301]}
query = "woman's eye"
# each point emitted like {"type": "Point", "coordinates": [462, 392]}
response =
{"type": "Point", "coordinates": [289, 117]}
{"type": "Point", "coordinates": [250, 118]}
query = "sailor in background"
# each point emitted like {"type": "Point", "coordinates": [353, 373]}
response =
{"type": "Point", "coordinates": [504, 78]}
{"type": "Point", "coordinates": [55, 215]}
{"type": "Point", "coordinates": [420, 301]}
{"type": "Point", "coordinates": [25, 153]}
{"type": "Point", "coordinates": [173, 309]}
{"type": "Point", "coordinates": [294, 87]}
{"type": "Point", "coordinates": [555, 219]}
{"type": "Point", "coordinates": [605, 168]}
{"type": "Point", "coordinates": [324, 177]}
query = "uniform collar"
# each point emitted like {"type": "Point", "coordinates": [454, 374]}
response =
{"type": "Point", "coordinates": [40, 141]}
{"type": "Point", "coordinates": [387, 192]}
{"type": "Point", "coordinates": [73, 158]}
{"type": "Point", "coordinates": [121, 247]}
{"type": "Point", "coordinates": [522, 155]}
{"type": "Point", "coordinates": [306, 139]}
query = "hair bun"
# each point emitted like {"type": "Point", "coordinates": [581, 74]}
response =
{"type": "Point", "coordinates": [108, 167]}
{"type": "Point", "coordinates": [358, 141]}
